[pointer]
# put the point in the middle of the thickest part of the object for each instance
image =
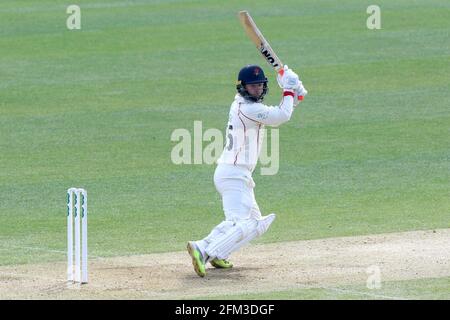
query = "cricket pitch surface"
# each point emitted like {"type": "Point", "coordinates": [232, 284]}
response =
{"type": "Point", "coordinates": [322, 263]}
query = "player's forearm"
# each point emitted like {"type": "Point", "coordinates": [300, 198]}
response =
{"type": "Point", "coordinates": [283, 113]}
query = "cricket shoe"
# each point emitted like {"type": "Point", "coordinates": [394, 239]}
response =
{"type": "Point", "coordinates": [197, 258]}
{"type": "Point", "coordinates": [221, 263]}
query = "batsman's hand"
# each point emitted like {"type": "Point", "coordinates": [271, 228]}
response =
{"type": "Point", "coordinates": [288, 80]}
{"type": "Point", "coordinates": [300, 92]}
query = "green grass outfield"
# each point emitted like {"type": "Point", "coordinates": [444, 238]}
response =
{"type": "Point", "coordinates": [367, 152]}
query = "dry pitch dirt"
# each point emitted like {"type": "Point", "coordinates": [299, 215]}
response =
{"type": "Point", "coordinates": [324, 263]}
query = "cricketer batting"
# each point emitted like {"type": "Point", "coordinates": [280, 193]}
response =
{"type": "Point", "coordinates": [233, 175]}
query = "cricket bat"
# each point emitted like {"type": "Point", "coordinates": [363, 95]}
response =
{"type": "Point", "coordinates": [261, 43]}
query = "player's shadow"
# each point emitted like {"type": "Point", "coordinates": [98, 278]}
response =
{"type": "Point", "coordinates": [232, 274]}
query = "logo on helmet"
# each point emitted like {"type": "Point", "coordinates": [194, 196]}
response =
{"type": "Point", "coordinates": [256, 71]}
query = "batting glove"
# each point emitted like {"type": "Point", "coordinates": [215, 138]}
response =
{"type": "Point", "coordinates": [289, 80]}
{"type": "Point", "coordinates": [300, 92]}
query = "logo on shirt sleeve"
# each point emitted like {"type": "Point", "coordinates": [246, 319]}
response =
{"type": "Point", "coordinates": [263, 115]}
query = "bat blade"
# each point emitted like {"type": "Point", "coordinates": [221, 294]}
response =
{"type": "Point", "coordinates": [261, 43]}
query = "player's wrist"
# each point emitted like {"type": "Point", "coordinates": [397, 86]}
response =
{"type": "Point", "coordinates": [288, 92]}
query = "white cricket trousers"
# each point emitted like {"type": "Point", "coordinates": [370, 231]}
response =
{"type": "Point", "coordinates": [243, 221]}
{"type": "Point", "coordinates": [235, 185]}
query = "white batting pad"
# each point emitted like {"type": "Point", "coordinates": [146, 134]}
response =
{"type": "Point", "coordinates": [238, 235]}
{"type": "Point", "coordinates": [263, 225]}
{"type": "Point", "coordinates": [218, 230]}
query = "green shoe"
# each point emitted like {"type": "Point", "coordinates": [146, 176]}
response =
{"type": "Point", "coordinates": [221, 263]}
{"type": "Point", "coordinates": [197, 258]}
